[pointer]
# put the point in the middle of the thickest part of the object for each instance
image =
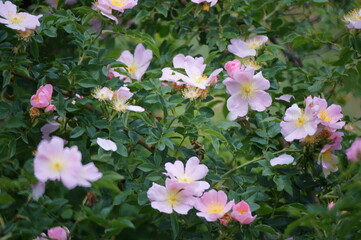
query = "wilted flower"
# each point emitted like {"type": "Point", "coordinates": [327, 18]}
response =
{"type": "Point", "coordinates": [42, 98]}
{"type": "Point", "coordinates": [120, 101]}
{"type": "Point", "coordinates": [189, 175]}
{"type": "Point", "coordinates": [107, 145]}
{"type": "Point", "coordinates": [247, 48]}
{"type": "Point", "coordinates": [193, 93]}
{"type": "Point", "coordinates": [194, 68]}
{"type": "Point", "coordinates": [247, 89]}
{"type": "Point", "coordinates": [103, 94]}
{"type": "Point", "coordinates": [354, 152]}
{"type": "Point", "coordinates": [18, 21]}
{"type": "Point", "coordinates": [212, 2]}
{"type": "Point", "coordinates": [171, 197]}
{"type": "Point", "coordinates": [242, 213]}
{"type": "Point", "coordinates": [282, 159]}
{"type": "Point", "coordinates": [298, 123]}
{"type": "Point", "coordinates": [34, 112]}
{"type": "Point", "coordinates": [213, 205]}
{"type": "Point", "coordinates": [136, 64]}
{"type": "Point", "coordinates": [354, 19]}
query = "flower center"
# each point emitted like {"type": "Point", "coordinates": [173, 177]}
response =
{"type": "Point", "coordinates": [16, 19]}
{"type": "Point", "coordinates": [120, 106]}
{"type": "Point", "coordinates": [242, 211]}
{"type": "Point", "coordinates": [301, 121]}
{"type": "Point", "coordinates": [173, 198]}
{"type": "Point", "coordinates": [201, 79]}
{"type": "Point", "coordinates": [118, 3]}
{"type": "Point", "coordinates": [247, 90]}
{"type": "Point", "coordinates": [37, 99]}
{"type": "Point", "coordinates": [325, 116]}
{"type": "Point", "coordinates": [185, 179]}
{"type": "Point", "coordinates": [132, 68]}
{"type": "Point", "coordinates": [215, 207]}
{"type": "Point", "coordinates": [57, 165]}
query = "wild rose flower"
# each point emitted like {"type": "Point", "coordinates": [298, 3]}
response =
{"type": "Point", "coordinates": [50, 108]}
{"type": "Point", "coordinates": [282, 159]}
{"type": "Point", "coordinates": [298, 123]}
{"type": "Point", "coordinates": [136, 64]}
{"type": "Point", "coordinates": [121, 5]}
{"type": "Point", "coordinates": [233, 67]}
{"type": "Point", "coordinates": [328, 161]}
{"type": "Point", "coordinates": [120, 101]}
{"type": "Point", "coordinates": [103, 94]}
{"type": "Point", "coordinates": [242, 213]}
{"type": "Point", "coordinates": [42, 98]}
{"type": "Point", "coordinates": [171, 197]}
{"type": "Point", "coordinates": [38, 190]}
{"type": "Point", "coordinates": [58, 233]}
{"type": "Point", "coordinates": [354, 19]}
{"type": "Point", "coordinates": [189, 175]}
{"type": "Point", "coordinates": [213, 205]}
{"type": "Point", "coordinates": [247, 89]}
{"type": "Point", "coordinates": [212, 2]}
{"type": "Point", "coordinates": [247, 48]}
{"type": "Point", "coordinates": [105, 9]}
{"type": "Point", "coordinates": [354, 152]}
{"type": "Point", "coordinates": [17, 21]}
{"type": "Point", "coordinates": [194, 68]}
{"type": "Point", "coordinates": [107, 145]}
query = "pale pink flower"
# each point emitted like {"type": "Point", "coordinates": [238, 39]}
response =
{"type": "Point", "coordinates": [194, 68]}
{"type": "Point", "coordinates": [232, 67]}
{"type": "Point", "coordinates": [285, 97]}
{"type": "Point", "coordinates": [247, 48]}
{"type": "Point", "coordinates": [54, 162]}
{"type": "Point", "coordinates": [107, 145]}
{"type": "Point", "coordinates": [354, 152]}
{"type": "Point", "coordinates": [281, 160]}
{"type": "Point", "coordinates": [330, 205]}
{"type": "Point", "coordinates": [354, 19]}
{"type": "Point", "coordinates": [247, 89]}
{"type": "Point", "coordinates": [213, 205]}
{"type": "Point", "coordinates": [88, 173]}
{"type": "Point", "coordinates": [120, 101]}
{"type": "Point", "coordinates": [18, 21]}
{"type": "Point", "coordinates": [298, 123]}
{"type": "Point", "coordinates": [242, 213]}
{"type": "Point", "coordinates": [328, 162]}
{"type": "Point", "coordinates": [103, 94]}
{"type": "Point", "coordinates": [189, 175]}
{"type": "Point", "coordinates": [105, 9]}
{"type": "Point", "coordinates": [42, 98]}
{"type": "Point", "coordinates": [121, 5]}
{"type": "Point", "coordinates": [49, 128]}
{"type": "Point", "coordinates": [50, 108]}
{"type": "Point", "coordinates": [212, 2]}
{"type": "Point", "coordinates": [38, 190]}
{"type": "Point", "coordinates": [327, 116]}
{"type": "Point", "coordinates": [136, 64]}
{"type": "Point", "coordinates": [335, 144]}
{"type": "Point", "coordinates": [171, 197]}
{"type": "Point", "coordinates": [58, 233]}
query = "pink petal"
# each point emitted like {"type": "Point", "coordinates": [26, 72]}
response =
{"type": "Point", "coordinates": [282, 159]}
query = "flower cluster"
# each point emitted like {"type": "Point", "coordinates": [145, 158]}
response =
{"type": "Point", "coordinates": [247, 48]}
{"type": "Point", "coordinates": [136, 64]}
{"type": "Point", "coordinates": [193, 83]}
{"type": "Point", "coordinates": [56, 233]}
{"type": "Point", "coordinates": [54, 162]}
{"type": "Point", "coordinates": [353, 19]}
{"type": "Point", "coordinates": [42, 99]}
{"type": "Point", "coordinates": [118, 99]}
{"type": "Point", "coordinates": [246, 89]}
{"type": "Point", "coordinates": [317, 124]}
{"type": "Point", "coordinates": [20, 21]}
{"type": "Point", "coordinates": [107, 7]}
{"type": "Point", "coordinates": [183, 190]}
{"type": "Point", "coordinates": [354, 152]}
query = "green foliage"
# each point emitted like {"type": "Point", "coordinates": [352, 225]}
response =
{"type": "Point", "coordinates": [310, 52]}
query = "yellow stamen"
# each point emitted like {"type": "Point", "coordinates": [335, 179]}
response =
{"type": "Point", "coordinates": [301, 121]}
{"type": "Point", "coordinates": [132, 68]}
{"type": "Point", "coordinates": [57, 165]}
{"type": "Point", "coordinates": [173, 198]}
{"type": "Point", "coordinates": [118, 3]}
{"type": "Point", "coordinates": [247, 90]}
{"type": "Point", "coordinates": [185, 179]}
{"type": "Point", "coordinates": [201, 79]}
{"type": "Point", "coordinates": [215, 207]}
{"type": "Point", "coordinates": [16, 19]}
{"type": "Point", "coordinates": [325, 116]}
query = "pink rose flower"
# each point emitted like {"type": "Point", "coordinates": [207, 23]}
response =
{"type": "Point", "coordinates": [58, 233]}
{"type": "Point", "coordinates": [103, 94]}
{"type": "Point", "coordinates": [242, 213]}
{"type": "Point", "coordinates": [194, 68]}
{"type": "Point", "coordinates": [233, 67]}
{"type": "Point", "coordinates": [171, 198]}
{"type": "Point", "coordinates": [247, 89]}
{"type": "Point", "coordinates": [354, 152]}
{"type": "Point", "coordinates": [50, 108]}
{"type": "Point", "coordinates": [298, 123]}
{"type": "Point", "coordinates": [105, 9]}
{"type": "Point", "coordinates": [120, 101]}
{"type": "Point", "coordinates": [246, 48]}
{"type": "Point", "coordinates": [330, 205]}
{"type": "Point", "coordinates": [136, 64]}
{"type": "Point", "coordinates": [189, 175]}
{"type": "Point", "coordinates": [213, 205]}
{"type": "Point", "coordinates": [18, 21]}
{"type": "Point", "coordinates": [42, 98]}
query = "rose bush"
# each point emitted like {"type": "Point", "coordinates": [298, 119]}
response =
{"type": "Point", "coordinates": [180, 119]}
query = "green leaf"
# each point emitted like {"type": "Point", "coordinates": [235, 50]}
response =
{"type": "Point", "coordinates": [6, 198]}
{"type": "Point", "coordinates": [77, 132]}
{"type": "Point", "coordinates": [265, 228]}
{"type": "Point", "coordinates": [161, 8]}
